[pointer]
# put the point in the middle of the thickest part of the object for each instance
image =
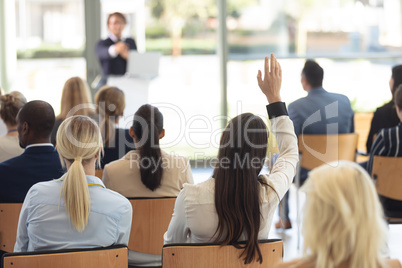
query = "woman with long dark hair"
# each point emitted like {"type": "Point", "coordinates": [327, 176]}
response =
{"type": "Point", "coordinates": [239, 202]}
{"type": "Point", "coordinates": [148, 171]}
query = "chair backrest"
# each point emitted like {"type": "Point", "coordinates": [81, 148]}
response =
{"type": "Point", "coordinates": [151, 218]}
{"type": "Point", "coordinates": [388, 174]}
{"type": "Point", "coordinates": [114, 256]}
{"type": "Point", "coordinates": [316, 150]}
{"type": "Point", "coordinates": [213, 255]}
{"type": "Point", "coordinates": [99, 173]}
{"type": "Point", "coordinates": [9, 215]}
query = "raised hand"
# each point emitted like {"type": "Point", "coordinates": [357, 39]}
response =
{"type": "Point", "coordinates": [271, 85]}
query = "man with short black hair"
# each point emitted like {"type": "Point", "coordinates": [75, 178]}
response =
{"type": "Point", "coordinates": [320, 112]}
{"type": "Point", "coordinates": [39, 162]}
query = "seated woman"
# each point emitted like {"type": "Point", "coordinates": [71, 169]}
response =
{"type": "Point", "coordinates": [239, 202]}
{"type": "Point", "coordinates": [343, 224]}
{"type": "Point", "coordinates": [110, 103]}
{"type": "Point", "coordinates": [75, 100]}
{"type": "Point", "coordinates": [148, 171]}
{"type": "Point", "coordinates": [10, 104]}
{"type": "Point", "coordinates": [385, 116]}
{"type": "Point", "coordinates": [75, 211]}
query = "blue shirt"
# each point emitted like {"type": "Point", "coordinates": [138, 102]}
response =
{"type": "Point", "coordinates": [45, 225]}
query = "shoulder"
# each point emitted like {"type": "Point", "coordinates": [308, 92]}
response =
{"type": "Point", "coordinates": [201, 193]}
{"type": "Point", "coordinates": [393, 263]}
{"type": "Point", "coordinates": [113, 202]}
{"type": "Point", "coordinates": [106, 41]}
{"type": "Point", "coordinates": [297, 103]}
{"type": "Point", "coordinates": [176, 160]}
{"type": "Point", "coordinates": [386, 109]}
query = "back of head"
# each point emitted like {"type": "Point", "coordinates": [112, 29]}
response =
{"type": "Point", "coordinates": [397, 76]}
{"type": "Point", "coordinates": [75, 98]}
{"type": "Point", "coordinates": [10, 104]}
{"type": "Point", "coordinates": [147, 126]}
{"type": "Point", "coordinates": [241, 157]}
{"type": "Point", "coordinates": [39, 115]}
{"type": "Point", "coordinates": [343, 218]}
{"type": "Point", "coordinates": [398, 96]}
{"type": "Point", "coordinates": [78, 141]}
{"type": "Point", "coordinates": [313, 73]}
{"type": "Point", "coordinates": [110, 103]}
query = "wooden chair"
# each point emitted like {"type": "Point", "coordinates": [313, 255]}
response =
{"type": "Point", "coordinates": [113, 256]}
{"type": "Point", "coordinates": [151, 218]}
{"type": "Point", "coordinates": [316, 150]}
{"type": "Point", "coordinates": [9, 215]}
{"type": "Point", "coordinates": [387, 171]}
{"type": "Point", "coordinates": [214, 255]}
{"type": "Point", "coordinates": [99, 173]}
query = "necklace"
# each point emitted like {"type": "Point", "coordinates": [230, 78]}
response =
{"type": "Point", "coordinates": [12, 130]}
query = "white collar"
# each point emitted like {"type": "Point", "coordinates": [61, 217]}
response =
{"type": "Point", "coordinates": [39, 144]}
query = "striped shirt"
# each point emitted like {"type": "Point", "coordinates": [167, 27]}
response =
{"type": "Point", "coordinates": [387, 143]}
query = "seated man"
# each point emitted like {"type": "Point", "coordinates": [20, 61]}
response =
{"type": "Point", "coordinates": [320, 112]}
{"type": "Point", "coordinates": [39, 162]}
{"type": "Point", "coordinates": [387, 143]}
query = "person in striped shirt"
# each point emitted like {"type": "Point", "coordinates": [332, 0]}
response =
{"type": "Point", "coordinates": [389, 143]}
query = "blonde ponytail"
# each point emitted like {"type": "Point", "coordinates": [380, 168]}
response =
{"type": "Point", "coordinates": [78, 139]}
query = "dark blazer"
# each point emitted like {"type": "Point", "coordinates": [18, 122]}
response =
{"type": "Point", "coordinates": [112, 66]}
{"type": "Point", "coordinates": [123, 143]}
{"type": "Point", "coordinates": [384, 117]}
{"type": "Point", "coordinates": [18, 174]}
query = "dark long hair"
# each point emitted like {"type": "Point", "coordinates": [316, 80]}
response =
{"type": "Point", "coordinates": [241, 156]}
{"type": "Point", "coordinates": [147, 126]}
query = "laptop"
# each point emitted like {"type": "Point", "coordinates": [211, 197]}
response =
{"type": "Point", "coordinates": [143, 65]}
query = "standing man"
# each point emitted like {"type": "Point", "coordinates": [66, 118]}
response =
{"type": "Point", "coordinates": [320, 112]}
{"type": "Point", "coordinates": [113, 52]}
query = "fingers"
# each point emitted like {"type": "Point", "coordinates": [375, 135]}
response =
{"type": "Point", "coordinates": [259, 78]}
{"type": "Point", "coordinates": [266, 66]}
{"type": "Point", "coordinates": [273, 63]}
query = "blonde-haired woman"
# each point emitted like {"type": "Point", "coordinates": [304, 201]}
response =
{"type": "Point", "coordinates": [75, 100]}
{"type": "Point", "coordinates": [10, 104]}
{"type": "Point", "coordinates": [343, 224]}
{"type": "Point", "coordinates": [75, 211]}
{"type": "Point", "coordinates": [110, 103]}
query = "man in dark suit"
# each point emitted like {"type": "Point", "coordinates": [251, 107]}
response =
{"type": "Point", "coordinates": [113, 52]}
{"type": "Point", "coordinates": [320, 112]}
{"type": "Point", "coordinates": [39, 162]}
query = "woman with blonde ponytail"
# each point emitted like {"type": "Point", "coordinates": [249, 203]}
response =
{"type": "Point", "coordinates": [110, 104]}
{"type": "Point", "coordinates": [75, 211]}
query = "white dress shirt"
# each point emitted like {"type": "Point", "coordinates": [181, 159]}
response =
{"type": "Point", "coordinates": [195, 219]}
{"type": "Point", "coordinates": [45, 225]}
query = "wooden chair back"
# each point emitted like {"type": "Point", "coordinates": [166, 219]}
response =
{"type": "Point", "coordinates": [99, 173]}
{"type": "Point", "coordinates": [213, 255]}
{"type": "Point", "coordinates": [9, 215]}
{"type": "Point", "coordinates": [388, 174]}
{"type": "Point", "coordinates": [114, 256]}
{"type": "Point", "coordinates": [316, 150]}
{"type": "Point", "coordinates": [151, 218]}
